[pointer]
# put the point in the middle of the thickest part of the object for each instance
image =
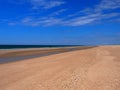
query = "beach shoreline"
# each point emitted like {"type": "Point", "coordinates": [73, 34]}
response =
{"type": "Point", "coordinates": [11, 55]}
{"type": "Point", "coordinates": [96, 68]}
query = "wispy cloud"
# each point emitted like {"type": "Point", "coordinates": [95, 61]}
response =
{"type": "Point", "coordinates": [82, 17]}
{"type": "Point", "coordinates": [108, 5]}
{"type": "Point", "coordinates": [46, 4]}
{"type": "Point", "coordinates": [103, 5]}
{"type": "Point", "coordinates": [39, 4]}
{"type": "Point", "coordinates": [57, 12]}
{"type": "Point", "coordinates": [98, 10]}
{"type": "Point", "coordinates": [76, 21]}
{"type": "Point", "coordinates": [88, 19]}
{"type": "Point", "coordinates": [47, 21]}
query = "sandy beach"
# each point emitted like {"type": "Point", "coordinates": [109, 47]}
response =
{"type": "Point", "coordinates": [96, 68]}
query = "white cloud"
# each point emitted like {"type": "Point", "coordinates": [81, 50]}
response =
{"type": "Point", "coordinates": [39, 4]}
{"type": "Point", "coordinates": [46, 4]}
{"type": "Point", "coordinates": [51, 21]}
{"type": "Point", "coordinates": [104, 5]}
{"type": "Point", "coordinates": [82, 17]}
{"type": "Point", "coordinates": [99, 15]}
{"type": "Point", "coordinates": [78, 21]}
{"type": "Point", "coordinates": [40, 21]}
{"type": "Point", "coordinates": [57, 12]}
{"type": "Point", "coordinates": [108, 5]}
{"type": "Point", "coordinates": [110, 15]}
{"type": "Point", "coordinates": [88, 19]}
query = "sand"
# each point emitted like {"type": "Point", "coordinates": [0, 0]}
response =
{"type": "Point", "coordinates": [95, 68]}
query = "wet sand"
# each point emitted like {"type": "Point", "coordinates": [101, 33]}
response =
{"type": "Point", "coordinates": [95, 68]}
{"type": "Point", "coordinates": [12, 55]}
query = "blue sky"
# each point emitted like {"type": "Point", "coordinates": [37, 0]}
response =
{"type": "Point", "coordinates": [65, 22]}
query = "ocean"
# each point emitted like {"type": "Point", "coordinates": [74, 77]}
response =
{"type": "Point", "coordinates": [32, 46]}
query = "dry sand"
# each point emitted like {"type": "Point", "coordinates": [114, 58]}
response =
{"type": "Point", "coordinates": [89, 69]}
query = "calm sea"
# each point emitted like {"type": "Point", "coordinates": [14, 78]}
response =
{"type": "Point", "coordinates": [32, 46]}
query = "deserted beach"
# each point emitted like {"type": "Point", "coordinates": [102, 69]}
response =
{"type": "Point", "coordinates": [59, 44]}
{"type": "Point", "coordinates": [95, 68]}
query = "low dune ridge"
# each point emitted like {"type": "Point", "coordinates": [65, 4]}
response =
{"type": "Point", "coordinates": [95, 68]}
